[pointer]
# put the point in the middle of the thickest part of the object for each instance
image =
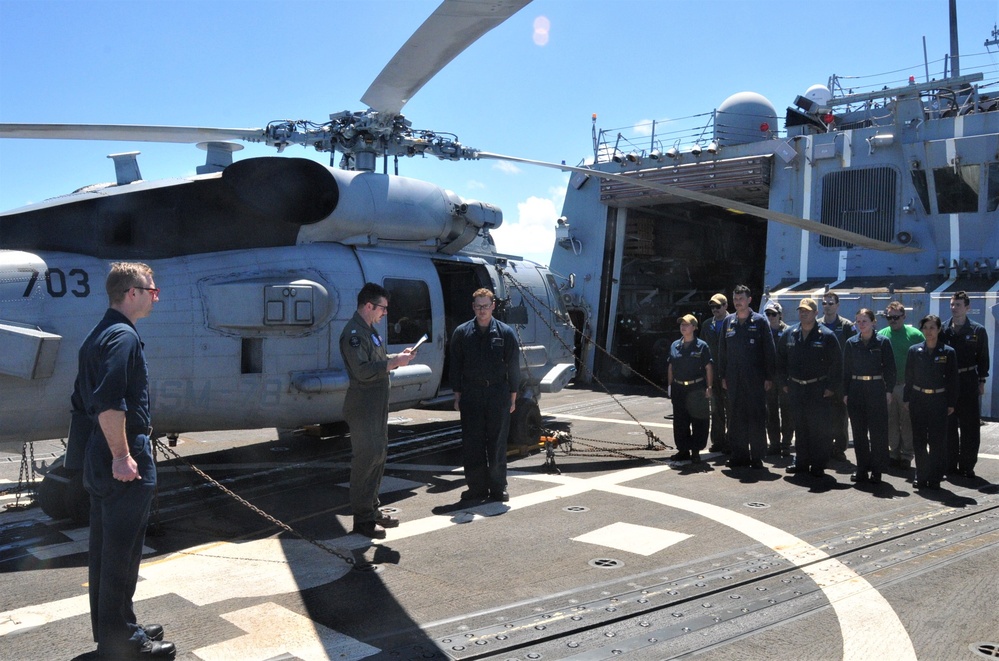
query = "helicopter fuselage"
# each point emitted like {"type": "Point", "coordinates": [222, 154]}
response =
{"type": "Point", "coordinates": [248, 337]}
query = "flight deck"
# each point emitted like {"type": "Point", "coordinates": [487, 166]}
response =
{"type": "Point", "coordinates": [606, 549]}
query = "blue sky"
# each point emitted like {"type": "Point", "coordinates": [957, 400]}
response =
{"type": "Point", "coordinates": [233, 63]}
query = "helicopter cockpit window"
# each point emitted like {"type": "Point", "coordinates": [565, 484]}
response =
{"type": "Point", "coordinates": [993, 190]}
{"type": "Point", "coordinates": [957, 188]}
{"type": "Point", "coordinates": [410, 314]}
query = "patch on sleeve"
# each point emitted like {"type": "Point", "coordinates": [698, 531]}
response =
{"type": "Point", "coordinates": [355, 341]}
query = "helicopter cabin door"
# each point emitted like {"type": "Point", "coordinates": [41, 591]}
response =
{"type": "Point", "coordinates": [416, 308]}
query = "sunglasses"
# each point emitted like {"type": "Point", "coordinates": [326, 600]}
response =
{"type": "Point", "coordinates": [770, 313]}
{"type": "Point", "coordinates": [715, 307]}
{"type": "Point", "coordinates": [893, 317]}
{"type": "Point", "coordinates": [151, 290]}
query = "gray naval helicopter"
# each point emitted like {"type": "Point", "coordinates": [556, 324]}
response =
{"type": "Point", "coordinates": [260, 262]}
{"type": "Point", "coordinates": [881, 194]}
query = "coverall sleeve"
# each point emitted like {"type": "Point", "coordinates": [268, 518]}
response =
{"type": "Point", "coordinates": [457, 360]}
{"type": "Point", "coordinates": [953, 381]}
{"type": "Point", "coordinates": [111, 384]}
{"type": "Point", "coordinates": [910, 374]}
{"type": "Point", "coordinates": [983, 353]}
{"type": "Point", "coordinates": [769, 351]}
{"type": "Point", "coordinates": [722, 351]}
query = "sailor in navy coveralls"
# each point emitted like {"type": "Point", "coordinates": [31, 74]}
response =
{"type": "Point", "coordinates": [746, 365]}
{"type": "Point", "coordinates": [931, 393]}
{"type": "Point", "coordinates": [110, 440]}
{"type": "Point", "coordinates": [810, 364]}
{"type": "Point", "coordinates": [971, 343]}
{"type": "Point", "coordinates": [485, 376]}
{"type": "Point", "coordinates": [690, 378]}
{"type": "Point", "coordinates": [868, 381]}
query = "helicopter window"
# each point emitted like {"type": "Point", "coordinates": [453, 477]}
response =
{"type": "Point", "coordinates": [556, 298]}
{"type": "Point", "coordinates": [957, 188]}
{"type": "Point", "coordinates": [409, 313]}
{"type": "Point", "coordinates": [993, 190]}
{"type": "Point", "coordinates": [919, 182]}
{"type": "Point", "coordinates": [252, 355]}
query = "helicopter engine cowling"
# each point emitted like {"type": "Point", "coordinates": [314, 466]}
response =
{"type": "Point", "coordinates": [375, 209]}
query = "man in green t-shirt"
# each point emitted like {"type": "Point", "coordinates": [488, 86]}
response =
{"type": "Point", "coordinates": [902, 336]}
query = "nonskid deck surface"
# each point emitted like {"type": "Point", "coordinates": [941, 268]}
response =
{"type": "Point", "coordinates": [620, 554]}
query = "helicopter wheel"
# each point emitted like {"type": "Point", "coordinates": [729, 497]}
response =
{"type": "Point", "coordinates": [525, 427]}
{"type": "Point", "coordinates": [61, 494]}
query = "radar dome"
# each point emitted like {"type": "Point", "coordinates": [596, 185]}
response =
{"type": "Point", "coordinates": [745, 117]}
{"type": "Point", "coordinates": [820, 94]}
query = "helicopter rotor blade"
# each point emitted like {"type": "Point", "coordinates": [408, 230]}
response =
{"type": "Point", "coordinates": [129, 132]}
{"type": "Point", "coordinates": [858, 240]}
{"type": "Point", "coordinates": [452, 28]}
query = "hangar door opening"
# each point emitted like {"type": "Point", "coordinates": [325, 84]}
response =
{"type": "Point", "coordinates": [674, 257]}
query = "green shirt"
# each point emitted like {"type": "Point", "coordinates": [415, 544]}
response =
{"type": "Point", "coordinates": [901, 340]}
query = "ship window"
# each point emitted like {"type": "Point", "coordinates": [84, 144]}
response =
{"type": "Point", "coordinates": [410, 314]}
{"type": "Point", "coordinates": [861, 201]}
{"type": "Point", "coordinates": [919, 182]}
{"type": "Point", "coordinates": [957, 188]}
{"type": "Point", "coordinates": [993, 190]}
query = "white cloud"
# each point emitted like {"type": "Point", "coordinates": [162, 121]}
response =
{"type": "Point", "coordinates": [475, 184]}
{"type": "Point", "coordinates": [532, 234]}
{"type": "Point", "coordinates": [506, 167]}
{"type": "Point", "coordinates": [643, 127]}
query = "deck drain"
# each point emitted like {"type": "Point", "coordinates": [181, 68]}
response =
{"type": "Point", "coordinates": [389, 510]}
{"type": "Point", "coordinates": [985, 650]}
{"type": "Point", "coordinates": [576, 508]}
{"type": "Point", "coordinates": [758, 506]}
{"type": "Point", "coordinates": [606, 563]}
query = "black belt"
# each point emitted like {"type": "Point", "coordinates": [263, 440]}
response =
{"type": "Point", "coordinates": [804, 382]}
{"type": "Point", "coordinates": [483, 383]}
{"type": "Point", "coordinates": [688, 383]}
{"type": "Point", "coordinates": [873, 377]}
{"type": "Point", "coordinates": [928, 391]}
{"type": "Point", "coordinates": [136, 430]}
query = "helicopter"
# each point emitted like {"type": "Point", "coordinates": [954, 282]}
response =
{"type": "Point", "coordinates": [260, 260]}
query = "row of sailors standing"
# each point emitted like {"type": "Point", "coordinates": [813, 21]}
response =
{"type": "Point", "coordinates": [809, 379]}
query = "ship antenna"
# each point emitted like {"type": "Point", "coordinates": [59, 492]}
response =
{"type": "Point", "coordinates": [955, 66]}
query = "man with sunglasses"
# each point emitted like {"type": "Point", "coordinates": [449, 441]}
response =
{"type": "Point", "coordinates": [843, 329]}
{"type": "Point", "coordinates": [110, 440]}
{"type": "Point", "coordinates": [366, 407]}
{"type": "Point", "coordinates": [902, 336]}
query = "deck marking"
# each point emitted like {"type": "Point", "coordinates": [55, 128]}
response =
{"type": "Point", "coordinates": [207, 574]}
{"type": "Point", "coordinates": [643, 540]}
{"type": "Point", "coordinates": [855, 601]}
{"type": "Point", "coordinates": [301, 566]}
{"type": "Point", "coordinates": [614, 420]}
{"type": "Point", "coordinates": [276, 631]}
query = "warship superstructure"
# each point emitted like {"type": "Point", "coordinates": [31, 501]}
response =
{"type": "Point", "coordinates": [912, 167]}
